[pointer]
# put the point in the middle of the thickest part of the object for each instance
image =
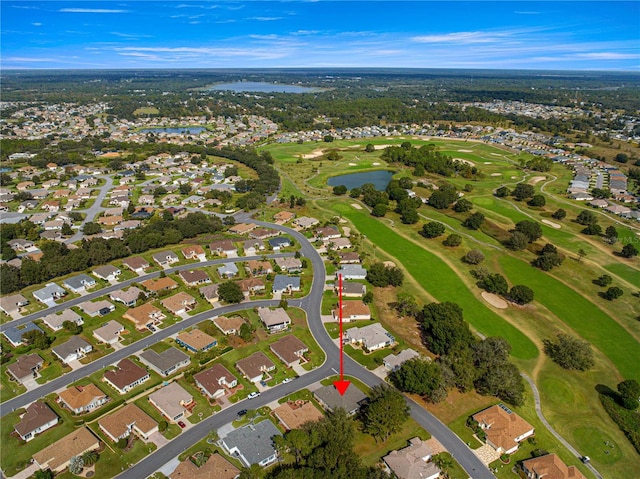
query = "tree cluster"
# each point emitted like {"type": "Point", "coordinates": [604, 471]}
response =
{"type": "Point", "coordinates": [569, 352]}
{"type": "Point", "coordinates": [380, 275]}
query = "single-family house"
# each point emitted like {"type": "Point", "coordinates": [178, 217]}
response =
{"type": "Point", "coordinates": [229, 325]}
{"type": "Point", "coordinates": [49, 293]}
{"type": "Point", "coordinates": [72, 350]}
{"type": "Point", "coordinates": [126, 376]}
{"type": "Point", "coordinates": [326, 233]}
{"type": "Point", "coordinates": [252, 444]}
{"type": "Point", "coordinates": [330, 399]}
{"type": "Point", "coordinates": [37, 418]}
{"type": "Point", "coordinates": [58, 455]}
{"type": "Point", "coordinates": [259, 268]}
{"type": "Point", "coordinates": [19, 244]}
{"type": "Point", "coordinates": [242, 228]}
{"type": "Point", "coordinates": [128, 297]}
{"type": "Point", "coordinates": [550, 466]}
{"type": "Point", "coordinates": [144, 316]}
{"type": "Point", "coordinates": [393, 361]}
{"type": "Point", "coordinates": [155, 285]}
{"type": "Point", "coordinates": [97, 308]}
{"type": "Point", "coordinates": [279, 243]}
{"type": "Point", "coordinates": [216, 467]}
{"type": "Point", "coordinates": [255, 366]}
{"type": "Point", "coordinates": [13, 304]}
{"type": "Point", "coordinates": [371, 337]}
{"type": "Point", "coordinates": [172, 401]}
{"type": "Point", "coordinates": [215, 381]}
{"type": "Point", "coordinates": [81, 399]}
{"type": "Point", "coordinates": [107, 272]}
{"type": "Point", "coordinates": [251, 286]}
{"type": "Point", "coordinates": [412, 462]}
{"type": "Point", "coordinates": [283, 284]}
{"type": "Point", "coordinates": [274, 320]}
{"type": "Point", "coordinates": [14, 333]}
{"type": "Point", "coordinates": [179, 303]}
{"type": "Point", "coordinates": [136, 264]}
{"type": "Point", "coordinates": [305, 222]}
{"type": "Point", "coordinates": [194, 277]}
{"type": "Point", "coordinates": [25, 368]}
{"type": "Point", "coordinates": [223, 247]}
{"type": "Point", "coordinates": [351, 289]}
{"type": "Point", "coordinates": [252, 247]}
{"type": "Point", "coordinates": [504, 429]}
{"type": "Point", "coordinates": [210, 293]}
{"type": "Point", "coordinates": [79, 283]}
{"type": "Point", "coordinates": [196, 340]}
{"type": "Point", "coordinates": [289, 349]}
{"type": "Point", "coordinates": [338, 244]}
{"type": "Point", "coordinates": [352, 310]}
{"type": "Point", "coordinates": [54, 321]}
{"type": "Point", "coordinates": [263, 233]}
{"type": "Point", "coordinates": [165, 258]}
{"type": "Point", "coordinates": [351, 271]}
{"type": "Point", "coordinates": [194, 251]}
{"type": "Point", "coordinates": [293, 414]}
{"type": "Point", "coordinates": [228, 270]}
{"type": "Point", "coordinates": [109, 333]}
{"type": "Point", "coordinates": [127, 420]}
{"type": "Point", "coordinates": [167, 362]}
{"type": "Point", "coordinates": [289, 265]}
{"type": "Point", "coordinates": [283, 216]}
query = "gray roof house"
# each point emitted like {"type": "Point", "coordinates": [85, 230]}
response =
{"type": "Point", "coordinates": [72, 350]}
{"type": "Point", "coordinates": [394, 361]}
{"type": "Point", "coordinates": [252, 444]}
{"type": "Point", "coordinates": [411, 461]}
{"type": "Point", "coordinates": [49, 293]}
{"type": "Point", "coordinates": [107, 272]}
{"type": "Point", "coordinates": [286, 284]}
{"type": "Point", "coordinates": [172, 401]}
{"type": "Point", "coordinates": [166, 362]}
{"type": "Point", "coordinates": [165, 258]}
{"type": "Point", "coordinates": [79, 283]}
{"type": "Point", "coordinates": [55, 321]}
{"type": "Point", "coordinates": [352, 271]}
{"type": "Point", "coordinates": [279, 242]}
{"type": "Point", "coordinates": [371, 337]}
{"type": "Point", "coordinates": [274, 319]}
{"type": "Point", "coordinates": [330, 399]}
{"type": "Point", "coordinates": [228, 270]}
{"type": "Point", "coordinates": [12, 304]}
{"type": "Point", "coordinates": [128, 297]}
{"type": "Point", "coordinates": [109, 333]}
{"type": "Point", "coordinates": [14, 334]}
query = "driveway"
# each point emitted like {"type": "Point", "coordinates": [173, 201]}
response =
{"type": "Point", "coordinates": [158, 439]}
{"type": "Point", "coordinates": [486, 454]}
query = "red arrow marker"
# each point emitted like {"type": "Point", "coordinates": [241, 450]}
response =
{"type": "Point", "coordinates": [341, 385]}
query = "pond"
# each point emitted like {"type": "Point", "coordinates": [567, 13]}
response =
{"type": "Point", "coordinates": [263, 87]}
{"type": "Point", "coordinates": [191, 130]}
{"type": "Point", "coordinates": [379, 178]}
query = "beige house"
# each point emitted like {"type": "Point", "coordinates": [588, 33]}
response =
{"type": "Point", "coordinates": [57, 456]}
{"type": "Point", "coordinates": [127, 420]}
{"type": "Point", "coordinates": [172, 401]}
{"type": "Point", "coordinates": [505, 430]}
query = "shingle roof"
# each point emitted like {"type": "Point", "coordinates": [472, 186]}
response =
{"type": "Point", "coordinates": [24, 365]}
{"type": "Point", "coordinates": [504, 426]}
{"type": "Point", "coordinates": [127, 373]}
{"type": "Point", "coordinates": [287, 347]}
{"type": "Point", "coordinates": [166, 359]}
{"type": "Point", "coordinates": [37, 414]}
{"type": "Point", "coordinates": [254, 441]}
{"type": "Point", "coordinates": [350, 401]}
{"type": "Point", "coordinates": [60, 452]}
{"type": "Point", "coordinates": [254, 365]}
{"type": "Point", "coordinates": [216, 467]}
{"type": "Point", "coordinates": [77, 397]}
{"type": "Point", "coordinates": [117, 424]}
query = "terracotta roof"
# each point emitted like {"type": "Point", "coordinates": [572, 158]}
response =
{"type": "Point", "coordinates": [142, 315]}
{"type": "Point", "coordinates": [159, 284]}
{"type": "Point", "coordinates": [293, 415]}
{"type": "Point", "coordinates": [216, 467]}
{"type": "Point", "coordinates": [117, 424]}
{"type": "Point", "coordinates": [551, 466]}
{"type": "Point", "coordinates": [193, 250]}
{"type": "Point", "coordinates": [80, 396]}
{"type": "Point", "coordinates": [127, 373]}
{"type": "Point", "coordinates": [178, 302]}
{"type": "Point", "coordinates": [37, 414]}
{"type": "Point", "coordinates": [353, 308]}
{"type": "Point", "coordinates": [502, 427]}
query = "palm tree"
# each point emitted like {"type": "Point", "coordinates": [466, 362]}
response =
{"type": "Point", "coordinates": [90, 458]}
{"type": "Point", "coordinates": [444, 463]}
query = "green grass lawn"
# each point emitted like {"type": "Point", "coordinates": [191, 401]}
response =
{"type": "Point", "coordinates": [580, 314]}
{"type": "Point", "coordinates": [439, 280]}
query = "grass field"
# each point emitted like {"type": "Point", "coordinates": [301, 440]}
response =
{"type": "Point", "coordinates": [438, 279]}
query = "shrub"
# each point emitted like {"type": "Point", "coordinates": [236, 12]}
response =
{"type": "Point", "coordinates": [453, 240]}
{"type": "Point", "coordinates": [474, 221]}
{"type": "Point", "coordinates": [629, 251]}
{"type": "Point", "coordinates": [559, 214]}
{"type": "Point", "coordinates": [433, 229]}
{"type": "Point", "coordinates": [462, 206]}
{"type": "Point", "coordinates": [537, 201]}
{"type": "Point", "coordinates": [604, 280]}
{"type": "Point", "coordinates": [521, 294]}
{"type": "Point", "coordinates": [569, 352]}
{"type": "Point", "coordinates": [612, 293]}
{"type": "Point", "coordinates": [474, 257]}
{"type": "Point", "coordinates": [494, 283]}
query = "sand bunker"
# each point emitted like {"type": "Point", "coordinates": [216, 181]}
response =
{"type": "Point", "coordinates": [536, 179]}
{"type": "Point", "coordinates": [346, 231]}
{"type": "Point", "coordinates": [465, 151]}
{"type": "Point", "coordinates": [552, 224]}
{"type": "Point", "coordinates": [487, 162]}
{"type": "Point", "coordinates": [496, 154]}
{"type": "Point", "coordinates": [314, 154]}
{"type": "Point", "coordinates": [380, 147]}
{"type": "Point", "coordinates": [514, 177]}
{"type": "Point", "coordinates": [389, 264]}
{"type": "Point", "coordinates": [352, 164]}
{"type": "Point", "coordinates": [376, 164]}
{"type": "Point", "coordinates": [496, 174]}
{"type": "Point", "coordinates": [462, 160]}
{"type": "Point", "coordinates": [494, 300]}
{"type": "Point", "coordinates": [356, 206]}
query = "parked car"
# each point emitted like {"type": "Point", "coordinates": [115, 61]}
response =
{"type": "Point", "coordinates": [181, 424]}
{"type": "Point", "coordinates": [287, 380]}
{"type": "Point", "coordinates": [253, 395]}
{"type": "Point", "coordinates": [242, 412]}
{"type": "Point", "coordinates": [264, 384]}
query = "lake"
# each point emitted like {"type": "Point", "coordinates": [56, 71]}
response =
{"type": "Point", "coordinates": [379, 178]}
{"type": "Point", "coordinates": [262, 87]}
{"type": "Point", "coordinates": [192, 130]}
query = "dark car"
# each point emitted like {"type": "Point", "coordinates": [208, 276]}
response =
{"type": "Point", "coordinates": [242, 412]}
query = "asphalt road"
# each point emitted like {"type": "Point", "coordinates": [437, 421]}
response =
{"type": "Point", "coordinates": [94, 209]}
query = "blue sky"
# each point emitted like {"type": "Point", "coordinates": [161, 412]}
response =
{"type": "Point", "coordinates": [573, 35]}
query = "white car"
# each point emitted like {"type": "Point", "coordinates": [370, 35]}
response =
{"type": "Point", "coordinates": [287, 380]}
{"type": "Point", "coordinates": [253, 395]}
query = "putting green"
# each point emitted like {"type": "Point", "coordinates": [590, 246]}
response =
{"type": "Point", "coordinates": [597, 445]}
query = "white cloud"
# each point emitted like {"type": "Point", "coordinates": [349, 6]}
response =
{"type": "Point", "coordinates": [265, 19]}
{"type": "Point", "coordinates": [526, 13]}
{"type": "Point", "coordinates": [608, 56]}
{"type": "Point", "coordinates": [36, 24]}
{"type": "Point", "coordinates": [457, 37]}
{"type": "Point", "coordinates": [90, 10]}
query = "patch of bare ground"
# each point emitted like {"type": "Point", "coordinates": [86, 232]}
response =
{"type": "Point", "coordinates": [536, 179]}
{"type": "Point", "coordinates": [494, 300]}
{"type": "Point", "coordinates": [456, 404]}
{"type": "Point", "coordinates": [314, 154]}
{"type": "Point", "coordinates": [552, 224]}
